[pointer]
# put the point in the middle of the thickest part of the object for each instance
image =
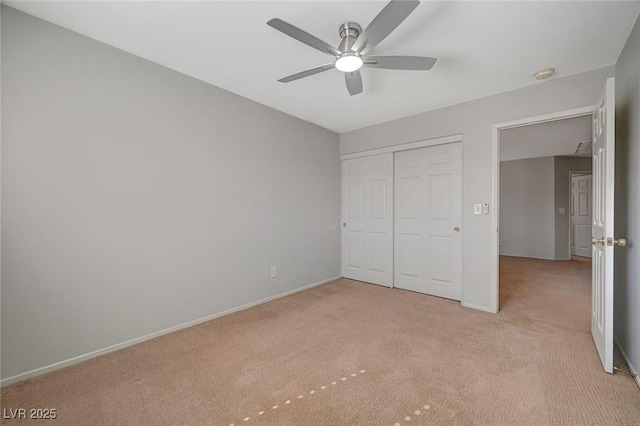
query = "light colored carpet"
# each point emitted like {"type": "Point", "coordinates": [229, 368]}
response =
{"type": "Point", "coordinates": [395, 357]}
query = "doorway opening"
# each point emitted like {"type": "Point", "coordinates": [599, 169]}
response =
{"type": "Point", "coordinates": [545, 219]}
{"type": "Point", "coordinates": [535, 148]}
{"type": "Point", "coordinates": [545, 205]}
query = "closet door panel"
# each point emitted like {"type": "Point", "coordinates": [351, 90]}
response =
{"type": "Point", "coordinates": [367, 219]}
{"type": "Point", "coordinates": [428, 220]}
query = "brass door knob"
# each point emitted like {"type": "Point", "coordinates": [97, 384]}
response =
{"type": "Point", "coordinates": [595, 240]}
{"type": "Point", "coordinates": [620, 242]}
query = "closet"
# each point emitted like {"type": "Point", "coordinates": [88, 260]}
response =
{"type": "Point", "coordinates": [402, 219]}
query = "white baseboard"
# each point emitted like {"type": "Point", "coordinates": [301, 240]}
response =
{"type": "Point", "coordinates": [478, 307]}
{"type": "Point", "coordinates": [528, 257]}
{"type": "Point", "coordinates": [629, 365]}
{"type": "Point", "coordinates": [118, 346]}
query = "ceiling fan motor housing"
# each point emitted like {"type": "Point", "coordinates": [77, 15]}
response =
{"type": "Point", "coordinates": [349, 32]}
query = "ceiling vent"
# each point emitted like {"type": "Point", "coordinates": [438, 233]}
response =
{"type": "Point", "coordinates": [583, 148]}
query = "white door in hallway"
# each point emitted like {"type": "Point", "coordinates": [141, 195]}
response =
{"type": "Point", "coordinates": [602, 229]}
{"type": "Point", "coordinates": [367, 219]}
{"type": "Point", "coordinates": [428, 220]}
{"type": "Point", "coordinates": [581, 217]}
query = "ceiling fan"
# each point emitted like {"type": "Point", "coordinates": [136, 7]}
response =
{"type": "Point", "coordinates": [352, 53]}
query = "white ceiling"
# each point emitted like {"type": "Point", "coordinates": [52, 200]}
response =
{"type": "Point", "coordinates": [545, 139]}
{"type": "Point", "coordinates": [483, 48]}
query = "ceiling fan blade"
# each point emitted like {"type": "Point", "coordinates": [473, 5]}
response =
{"type": "Point", "coordinates": [354, 82]}
{"type": "Point", "coordinates": [307, 73]}
{"type": "Point", "coordinates": [303, 36]}
{"type": "Point", "coordinates": [382, 25]}
{"type": "Point", "coordinates": [400, 62]}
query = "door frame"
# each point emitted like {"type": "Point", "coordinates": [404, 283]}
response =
{"type": "Point", "coordinates": [573, 173]}
{"type": "Point", "coordinates": [495, 185]}
{"type": "Point", "coordinates": [404, 147]}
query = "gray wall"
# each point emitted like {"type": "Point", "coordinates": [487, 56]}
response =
{"type": "Point", "coordinates": [527, 221]}
{"type": "Point", "coordinates": [135, 198]}
{"type": "Point", "coordinates": [563, 166]}
{"type": "Point", "coordinates": [474, 121]}
{"type": "Point", "coordinates": [627, 221]}
{"type": "Point", "coordinates": [532, 191]}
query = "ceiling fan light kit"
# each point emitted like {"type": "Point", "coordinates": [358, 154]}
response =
{"type": "Point", "coordinates": [351, 54]}
{"type": "Point", "coordinates": [349, 61]}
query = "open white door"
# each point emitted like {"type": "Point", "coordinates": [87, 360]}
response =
{"type": "Point", "coordinates": [602, 231]}
{"type": "Point", "coordinates": [367, 219]}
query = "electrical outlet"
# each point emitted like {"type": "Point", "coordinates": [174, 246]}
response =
{"type": "Point", "coordinates": [274, 271]}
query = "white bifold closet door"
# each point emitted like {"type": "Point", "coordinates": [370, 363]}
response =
{"type": "Point", "coordinates": [428, 220]}
{"type": "Point", "coordinates": [367, 219]}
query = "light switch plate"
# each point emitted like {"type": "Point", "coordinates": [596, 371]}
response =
{"type": "Point", "coordinates": [477, 209]}
{"type": "Point", "coordinates": [561, 210]}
